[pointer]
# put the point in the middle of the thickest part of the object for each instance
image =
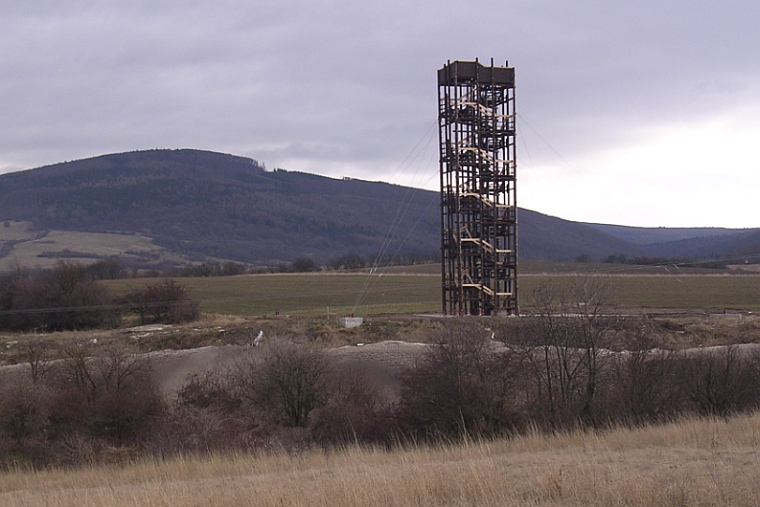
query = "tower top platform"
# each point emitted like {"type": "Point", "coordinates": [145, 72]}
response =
{"type": "Point", "coordinates": [458, 72]}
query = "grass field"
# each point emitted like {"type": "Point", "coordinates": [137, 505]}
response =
{"type": "Point", "coordinates": [690, 463]}
{"type": "Point", "coordinates": [707, 292]}
{"type": "Point", "coordinates": [314, 294]}
{"type": "Point", "coordinates": [307, 294]}
{"type": "Point", "coordinates": [42, 249]}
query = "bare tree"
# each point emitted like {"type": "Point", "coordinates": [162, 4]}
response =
{"type": "Point", "coordinates": [37, 354]}
{"type": "Point", "coordinates": [354, 410]}
{"type": "Point", "coordinates": [644, 387]}
{"type": "Point", "coordinates": [721, 381]}
{"type": "Point", "coordinates": [167, 301]}
{"type": "Point", "coordinates": [563, 344]}
{"type": "Point", "coordinates": [114, 390]}
{"type": "Point", "coordinates": [24, 408]}
{"type": "Point", "coordinates": [590, 297]}
{"type": "Point", "coordinates": [463, 385]}
{"type": "Point", "coordinates": [287, 383]}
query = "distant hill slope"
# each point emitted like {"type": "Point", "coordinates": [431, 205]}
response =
{"type": "Point", "coordinates": [694, 243]}
{"type": "Point", "coordinates": [736, 246]}
{"type": "Point", "coordinates": [208, 204]}
{"type": "Point", "coordinates": [200, 204]}
{"type": "Point", "coordinates": [543, 237]}
{"type": "Point", "coordinates": [654, 235]}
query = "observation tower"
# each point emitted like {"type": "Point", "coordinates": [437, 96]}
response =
{"type": "Point", "coordinates": [478, 163]}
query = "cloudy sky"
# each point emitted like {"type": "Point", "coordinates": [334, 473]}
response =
{"type": "Point", "coordinates": [639, 113]}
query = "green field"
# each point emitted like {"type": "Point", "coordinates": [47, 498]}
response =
{"type": "Point", "coordinates": [307, 294]}
{"type": "Point", "coordinates": [708, 292]}
{"type": "Point", "coordinates": [315, 294]}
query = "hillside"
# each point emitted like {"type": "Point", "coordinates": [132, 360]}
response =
{"type": "Point", "coordinates": [659, 235]}
{"type": "Point", "coordinates": [543, 237]}
{"type": "Point", "coordinates": [191, 205]}
{"type": "Point", "coordinates": [204, 204]}
{"type": "Point", "coordinates": [695, 243]}
{"type": "Point", "coordinates": [737, 246]}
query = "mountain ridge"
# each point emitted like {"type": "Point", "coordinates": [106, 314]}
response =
{"type": "Point", "coordinates": [203, 204]}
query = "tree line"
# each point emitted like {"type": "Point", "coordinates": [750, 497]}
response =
{"type": "Point", "coordinates": [67, 297]}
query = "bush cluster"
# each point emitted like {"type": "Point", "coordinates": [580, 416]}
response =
{"type": "Point", "coordinates": [716, 263]}
{"type": "Point", "coordinates": [78, 410]}
{"type": "Point", "coordinates": [289, 397]}
{"type": "Point", "coordinates": [354, 261]}
{"type": "Point", "coordinates": [63, 298]}
{"type": "Point", "coordinates": [208, 269]}
{"type": "Point", "coordinates": [105, 405]}
{"type": "Point", "coordinates": [166, 302]}
{"type": "Point", "coordinates": [556, 373]}
{"type": "Point", "coordinates": [570, 365]}
{"type": "Point", "coordinates": [68, 298]}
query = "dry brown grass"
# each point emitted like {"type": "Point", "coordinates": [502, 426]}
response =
{"type": "Point", "coordinates": [690, 463]}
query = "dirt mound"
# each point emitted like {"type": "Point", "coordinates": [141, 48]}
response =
{"type": "Point", "coordinates": [382, 361]}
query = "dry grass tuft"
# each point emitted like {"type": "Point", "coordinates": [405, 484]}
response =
{"type": "Point", "coordinates": [692, 462]}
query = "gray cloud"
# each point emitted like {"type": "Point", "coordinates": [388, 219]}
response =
{"type": "Point", "coordinates": [351, 84]}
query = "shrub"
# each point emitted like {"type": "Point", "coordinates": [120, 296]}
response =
{"type": "Point", "coordinates": [304, 265]}
{"type": "Point", "coordinates": [209, 416]}
{"type": "Point", "coordinates": [210, 392]}
{"type": "Point", "coordinates": [188, 429]}
{"type": "Point", "coordinates": [462, 386]}
{"type": "Point", "coordinates": [644, 387]}
{"type": "Point", "coordinates": [721, 382]}
{"type": "Point", "coordinates": [65, 298]}
{"type": "Point", "coordinates": [78, 410]}
{"type": "Point", "coordinates": [112, 395]}
{"type": "Point", "coordinates": [354, 411]}
{"type": "Point", "coordinates": [166, 302]}
{"type": "Point", "coordinates": [287, 384]}
{"type": "Point", "coordinates": [24, 407]}
{"type": "Point", "coordinates": [107, 269]}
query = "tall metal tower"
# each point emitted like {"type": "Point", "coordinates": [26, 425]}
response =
{"type": "Point", "coordinates": [476, 121]}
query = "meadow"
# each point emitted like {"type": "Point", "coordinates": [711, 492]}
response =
{"type": "Point", "coordinates": [687, 463]}
{"type": "Point", "coordinates": [314, 294]}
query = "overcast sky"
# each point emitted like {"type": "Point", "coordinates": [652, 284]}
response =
{"type": "Point", "coordinates": [639, 113]}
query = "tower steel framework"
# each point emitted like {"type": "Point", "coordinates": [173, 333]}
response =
{"type": "Point", "coordinates": [476, 123]}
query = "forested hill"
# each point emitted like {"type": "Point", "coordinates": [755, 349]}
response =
{"type": "Point", "coordinates": [202, 204]}
{"type": "Point", "coordinates": [209, 204]}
